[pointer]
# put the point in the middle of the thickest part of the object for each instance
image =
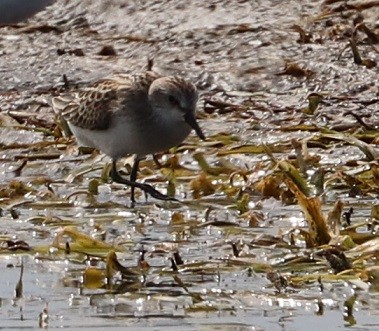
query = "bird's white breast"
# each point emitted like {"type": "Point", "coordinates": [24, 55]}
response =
{"type": "Point", "coordinates": [124, 137]}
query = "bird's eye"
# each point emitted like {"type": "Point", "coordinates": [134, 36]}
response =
{"type": "Point", "coordinates": [172, 99]}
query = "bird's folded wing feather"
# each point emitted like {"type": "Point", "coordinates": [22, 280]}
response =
{"type": "Point", "coordinates": [92, 107]}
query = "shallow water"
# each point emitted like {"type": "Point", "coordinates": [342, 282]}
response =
{"type": "Point", "coordinates": [236, 53]}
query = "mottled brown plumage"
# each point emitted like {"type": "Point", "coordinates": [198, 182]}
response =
{"type": "Point", "coordinates": [92, 107]}
{"type": "Point", "coordinates": [132, 114]}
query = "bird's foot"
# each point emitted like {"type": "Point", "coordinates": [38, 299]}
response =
{"type": "Point", "coordinates": [148, 189]}
{"type": "Point", "coordinates": [155, 193]}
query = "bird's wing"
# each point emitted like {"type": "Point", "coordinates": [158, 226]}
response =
{"type": "Point", "coordinates": [92, 107]}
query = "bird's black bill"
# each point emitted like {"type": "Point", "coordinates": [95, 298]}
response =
{"type": "Point", "coordinates": [190, 119]}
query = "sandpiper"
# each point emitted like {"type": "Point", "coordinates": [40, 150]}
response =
{"type": "Point", "coordinates": [132, 114]}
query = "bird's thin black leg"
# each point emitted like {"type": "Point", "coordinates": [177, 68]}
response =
{"type": "Point", "coordinates": [116, 177]}
{"type": "Point", "coordinates": [133, 176]}
{"type": "Point", "coordinates": [156, 161]}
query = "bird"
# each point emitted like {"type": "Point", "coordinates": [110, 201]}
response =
{"type": "Point", "coordinates": [125, 114]}
{"type": "Point", "coordinates": [15, 11]}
